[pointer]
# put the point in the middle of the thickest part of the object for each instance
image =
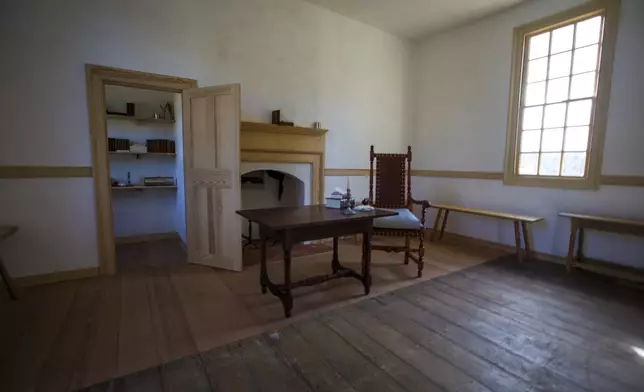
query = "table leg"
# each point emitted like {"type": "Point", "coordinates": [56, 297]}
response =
{"type": "Point", "coordinates": [571, 244]}
{"type": "Point", "coordinates": [436, 223]}
{"type": "Point", "coordinates": [580, 247]}
{"type": "Point", "coordinates": [7, 281]}
{"type": "Point", "coordinates": [526, 240]}
{"type": "Point", "coordinates": [366, 261]}
{"type": "Point", "coordinates": [444, 224]}
{"type": "Point", "coordinates": [517, 240]}
{"type": "Point", "coordinates": [407, 245]}
{"type": "Point", "coordinates": [335, 263]}
{"type": "Point", "coordinates": [286, 297]}
{"type": "Point", "coordinates": [263, 273]}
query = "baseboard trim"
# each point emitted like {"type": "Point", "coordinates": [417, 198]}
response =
{"type": "Point", "coordinates": [146, 238]}
{"type": "Point", "coordinates": [593, 265]}
{"type": "Point", "coordinates": [55, 277]}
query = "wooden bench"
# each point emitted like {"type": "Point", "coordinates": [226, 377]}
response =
{"type": "Point", "coordinates": [517, 219]}
{"type": "Point", "coordinates": [579, 222]}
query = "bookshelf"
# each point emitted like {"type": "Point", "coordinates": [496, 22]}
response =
{"type": "Point", "coordinates": [140, 119]}
{"type": "Point", "coordinates": [162, 154]}
{"type": "Point", "coordinates": [142, 187]}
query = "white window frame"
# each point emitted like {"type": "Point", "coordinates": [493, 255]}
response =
{"type": "Point", "coordinates": [609, 9]}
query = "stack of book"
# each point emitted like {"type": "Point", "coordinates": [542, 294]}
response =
{"type": "Point", "coordinates": [161, 145]}
{"type": "Point", "coordinates": [114, 144]}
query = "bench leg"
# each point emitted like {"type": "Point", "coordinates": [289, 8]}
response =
{"type": "Point", "coordinates": [439, 213]}
{"type": "Point", "coordinates": [517, 240]}
{"type": "Point", "coordinates": [444, 224]}
{"type": "Point", "coordinates": [571, 244]}
{"type": "Point", "coordinates": [526, 240]}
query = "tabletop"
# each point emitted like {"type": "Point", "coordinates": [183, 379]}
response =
{"type": "Point", "coordinates": [306, 216]}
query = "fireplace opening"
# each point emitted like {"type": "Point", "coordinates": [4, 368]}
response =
{"type": "Point", "coordinates": [269, 188]}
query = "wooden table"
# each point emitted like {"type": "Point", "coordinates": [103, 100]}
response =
{"type": "Point", "coordinates": [290, 225]}
{"type": "Point", "coordinates": [522, 220]}
{"type": "Point", "coordinates": [579, 222]}
{"type": "Point", "coordinates": [6, 232]}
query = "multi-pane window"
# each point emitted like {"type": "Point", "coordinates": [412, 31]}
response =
{"type": "Point", "coordinates": [557, 92]}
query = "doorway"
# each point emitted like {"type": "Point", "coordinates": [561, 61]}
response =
{"type": "Point", "coordinates": [144, 133]}
{"type": "Point", "coordinates": [98, 77]}
{"type": "Point", "coordinates": [210, 129]}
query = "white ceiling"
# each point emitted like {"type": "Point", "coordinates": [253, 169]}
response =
{"type": "Point", "coordinates": [415, 18]}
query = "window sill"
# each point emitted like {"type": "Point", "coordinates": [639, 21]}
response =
{"type": "Point", "coordinates": [585, 183]}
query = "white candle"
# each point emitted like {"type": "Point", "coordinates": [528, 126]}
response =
{"type": "Point", "coordinates": [348, 182]}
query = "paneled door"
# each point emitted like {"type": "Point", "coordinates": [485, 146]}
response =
{"type": "Point", "coordinates": [211, 118]}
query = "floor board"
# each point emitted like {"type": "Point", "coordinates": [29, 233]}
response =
{"type": "Point", "coordinates": [452, 365]}
{"type": "Point", "coordinates": [362, 374]}
{"type": "Point", "coordinates": [541, 378]}
{"type": "Point", "coordinates": [370, 346]}
{"type": "Point", "coordinates": [306, 361]}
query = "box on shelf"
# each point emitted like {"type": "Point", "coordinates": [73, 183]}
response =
{"type": "Point", "coordinates": [158, 181]}
{"type": "Point", "coordinates": [334, 202]}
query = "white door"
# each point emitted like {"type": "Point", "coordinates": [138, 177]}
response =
{"type": "Point", "coordinates": [211, 118]}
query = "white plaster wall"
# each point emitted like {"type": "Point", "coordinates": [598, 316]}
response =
{"type": "Point", "coordinates": [311, 63]}
{"type": "Point", "coordinates": [460, 120]}
{"type": "Point", "coordinates": [52, 216]}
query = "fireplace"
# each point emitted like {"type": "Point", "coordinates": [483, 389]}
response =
{"type": "Point", "coordinates": [294, 151]}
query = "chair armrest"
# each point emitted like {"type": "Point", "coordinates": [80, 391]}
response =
{"type": "Point", "coordinates": [423, 203]}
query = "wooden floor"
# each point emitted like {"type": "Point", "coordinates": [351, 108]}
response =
{"type": "Point", "coordinates": [158, 309]}
{"type": "Point", "coordinates": [499, 326]}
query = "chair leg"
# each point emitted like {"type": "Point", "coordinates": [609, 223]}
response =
{"type": "Point", "coordinates": [407, 251]}
{"type": "Point", "coordinates": [8, 282]}
{"type": "Point", "coordinates": [421, 253]}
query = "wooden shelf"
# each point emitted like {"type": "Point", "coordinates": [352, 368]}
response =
{"type": "Point", "coordinates": [140, 119]}
{"type": "Point", "coordinates": [167, 154]}
{"type": "Point", "coordinates": [142, 187]}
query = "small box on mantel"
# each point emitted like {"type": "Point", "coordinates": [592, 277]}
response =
{"type": "Point", "coordinates": [334, 202]}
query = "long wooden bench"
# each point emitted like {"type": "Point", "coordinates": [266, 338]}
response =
{"type": "Point", "coordinates": [579, 222]}
{"type": "Point", "coordinates": [523, 220]}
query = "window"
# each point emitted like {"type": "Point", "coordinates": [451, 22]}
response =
{"type": "Point", "coordinates": [559, 97]}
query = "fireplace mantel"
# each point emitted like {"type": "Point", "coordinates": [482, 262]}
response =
{"type": "Point", "coordinates": [261, 142]}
